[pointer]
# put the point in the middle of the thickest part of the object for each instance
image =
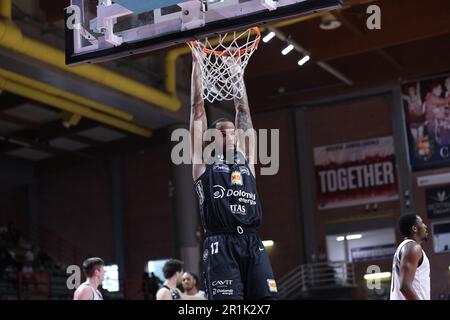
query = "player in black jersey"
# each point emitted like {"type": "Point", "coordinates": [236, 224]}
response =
{"type": "Point", "coordinates": [235, 263]}
{"type": "Point", "coordinates": [173, 269]}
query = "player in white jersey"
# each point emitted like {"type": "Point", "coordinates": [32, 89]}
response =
{"type": "Point", "coordinates": [189, 282]}
{"type": "Point", "coordinates": [411, 267]}
{"type": "Point", "coordinates": [94, 271]}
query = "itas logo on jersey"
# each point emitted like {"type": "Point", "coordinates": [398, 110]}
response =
{"type": "Point", "coordinates": [238, 209]}
{"type": "Point", "coordinates": [272, 285]}
{"type": "Point", "coordinates": [236, 178]}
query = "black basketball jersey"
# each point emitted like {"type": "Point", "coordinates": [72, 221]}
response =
{"type": "Point", "coordinates": [227, 195]}
{"type": "Point", "coordinates": [174, 293]}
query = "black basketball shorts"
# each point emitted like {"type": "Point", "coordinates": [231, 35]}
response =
{"type": "Point", "coordinates": [236, 267]}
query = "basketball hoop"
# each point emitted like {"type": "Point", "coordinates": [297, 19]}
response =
{"type": "Point", "coordinates": [223, 62]}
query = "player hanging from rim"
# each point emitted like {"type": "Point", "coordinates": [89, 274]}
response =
{"type": "Point", "coordinates": [235, 264]}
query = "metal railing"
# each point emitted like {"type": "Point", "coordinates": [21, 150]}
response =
{"type": "Point", "coordinates": [306, 277]}
{"type": "Point", "coordinates": [33, 285]}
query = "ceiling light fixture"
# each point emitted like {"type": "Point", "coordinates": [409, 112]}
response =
{"type": "Point", "coordinates": [288, 49]}
{"type": "Point", "coordinates": [269, 36]}
{"type": "Point", "coordinates": [304, 60]}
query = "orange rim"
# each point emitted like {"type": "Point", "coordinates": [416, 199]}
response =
{"type": "Point", "coordinates": [238, 53]}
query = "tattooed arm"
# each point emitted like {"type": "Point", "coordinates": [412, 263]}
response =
{"type": "Point", "coordinates": [246, 137]}
{"type": "Point", "coordinates": [198, 123]}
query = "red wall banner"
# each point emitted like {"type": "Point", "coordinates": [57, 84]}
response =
{"type": "Point", "coordinates": [355, 173]}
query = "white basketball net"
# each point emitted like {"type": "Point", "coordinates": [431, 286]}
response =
{"type": "Point", "coordinates": [223, 62]}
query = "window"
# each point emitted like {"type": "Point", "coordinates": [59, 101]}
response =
{"type": "Point", "coordinates": [156, 267]}
{"type": "Point", "coordinates": [111, 280]}
{"type": "Point", "coordinates": [361, 246]}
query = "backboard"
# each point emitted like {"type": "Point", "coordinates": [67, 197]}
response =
{"type": "Point", "coordinates": [100, 30]}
